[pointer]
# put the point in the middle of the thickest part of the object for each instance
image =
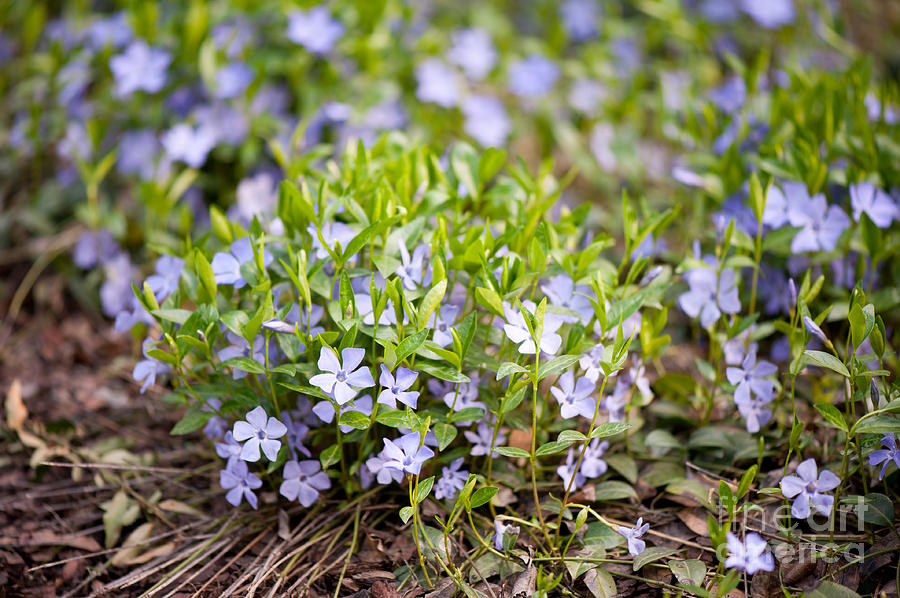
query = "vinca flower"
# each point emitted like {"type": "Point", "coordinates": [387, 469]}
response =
{"type": "Point", "coordinates": [333, 233]}
{"type": "Point", "coordinates": [532, 77]}
{"type": "Point", "coordinates": [486, 120]}
{"type": "Point", "coordinates": [808, 487]}
{"type": "Point", "coordinates": [821, 224]}
{"type": "Point", "coordinates": [465, 395]}
{"type": "Point", "coordinates": [579, 17]}
{"type": "Point", "coordinates": [750, 555]}
{"type": "Point", "coordinates": [451, 481]}
{"type": "Point", "coordinates": [572, 479]}
{"type": "Point", "coordinates": [814, 330]}
{"type": "Point", "coordinates": [188, 144]}
{"type": "Point", "coordinates": [215, 426]}
{"type": "Point", "coordinates": [168, 273]}
{"type": "Point", "coordinates": [303, 481]}
{"type": "Point", "coordinates": [866, 198]}
{"type": "Point", "coordinates": [385, 475]}
{"type": "Point", "coordinates": [226, 266]}
{"type": "Point", "coordinates": [232, 80]}
{"type": "Point", "coordinates": [502, 532]}
{"type": "Point", "coordinates": [148, 369]}
{"type": "Point", "coordinates": [240, 483]}
{"type": "Point", "coordinates": [710, 295]}
{"type": "Point", "coordinates": [885, 455]}
{"type": "Point", "coordinates": [259, 431]}
{"type": "Point", "coordinates": [562, 292]}
{"type": "Point", "coordinates": [395, 387]}
{"type": "Point", "coordinates": [482, 438]}
{"type": "Point", "coordinates": [517, 330]}
{"type": "Point", "coordinates": [94, 247]}
{"type": "Point", "coordinates": [437, 83]}
{"type": "Point", "coordinates": [574, 397]}
{"type": "Point", "coordinates": [241, 348]}
{"type": "Point", "coordinates": [325, 410]}
{"type": "Point", "coordinates": [337, 379]}
{"type": "Point", "coordinates": [411, 268]}
{"type": "Point", "coordinates": [473, 51]}
{"type": "Point", "coordinates": [314, 29]}
{"type": "Point", "coordinates": [770, 14]}
{"type": "Point", "coordinates": [441, 321]}
{"type": "Point", "coordinates": [633, 536]}
{"type": "Point", "coordinates": [407, 453]}
{"type": "Point", "coordinates": [229, 449]}
{"type": "Point", "coordinates": [140, 68]}
{"type": "Point", "coordinates": [752, 376]}
{"type": "Point", "coordinates": [593, 465]}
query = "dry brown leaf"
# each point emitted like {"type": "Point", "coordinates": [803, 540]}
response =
{"type": "Point", "coordinates": [520, 439]}
{"type": "Point", "coordinates": [131, 546]}
{"type": "Point", "coordinates": [16, 412]}
{"type": "Point", "coordinates": [176, 506]}
{"type": "Point", "coordinates": [48, 538]}
{"type": "Point", "coordinates": [696, 523]}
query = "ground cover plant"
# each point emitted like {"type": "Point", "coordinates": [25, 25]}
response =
{"type": "Point", "coordinates": [440, 299]}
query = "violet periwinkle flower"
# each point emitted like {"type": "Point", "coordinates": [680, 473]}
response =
{"type": "Point", "coordinates": [821, 224]}
{"type": "Point", "coordinates": [113, 31]}
{"type": "Point", "coordinates": [240, 483]}
{"type": "Point", "coordinates": [451, 481]}
{"type": "Point", "coordinates": [188, 144]}
{"type": "Point", "coordinates": [115, 293]}
{"type": "Point", "coordinates": [501, 531]}
{"type": "Point", "coordinates": [573, 397]}
{"type": "Point", "coordinates": [866, 198]}
{"type": "Point", "coordinates": [486, 120]}
{"type": "Point", "coordinates": [256, 195]}
{"type": "Point", "coordinates": [336, 379]}
{"type": "Point", "coordinates": [94, 247]}
{"type": "Point", "coordinates": [332, 233]}
{"type": "Point", "coordinates": [730, 96]}
{"type": "Point", "coordinates": [138, 151]}
{"type": "Point", "coordinates": [148, 369]}
{"type": "Point", "coordinates": [296, 433]}
{"type": "Point", "coordinates": [140, 67]}
{"type": "Point", "coordinates": [437, 83]}
{"type": "Point", "coordinates": [216, 425]}
{"type": "Point", "coordinates": [591, 361]}
{"type": "Point", "coordinates": [232, 36]}
{"type": "Point", "coordinates": [562, 292]}
{"type": "Point", "coordinates": [168, 273]}
{"type": "Point", "coordinates": [770, 14]}
{"type": "Point", "coordinates": [885, 455]}
{"type": "Point", "coordinates": [482, 438]}
{"type": "Point", "coordinates": [76, 143]}
{"type": "Point", "coordinates": [814, 330]}
{"type": "Point", "coordinates": [752, 377]}
{"type": "Point", "coordinates": [441, 321]}
{"type": "Point", "coordinates": [384, 475]}
{"type": "Point", "coordinates": [571, 478]}
{"type": "Point", "coordinates": [874, 110]}
{"type": "Point", "coordinates": [616, 402]}
{"type": "Point", "coordinates": [226, 266]}
{"type": "Point", "coordinates": [314, 29]}
{"type": "Point", "coordinates": [517, 330]}
{"type": "Point", "coordinates": [579, 17]}
{"type": "Point", "coordinates": [710, 295]}
{"type": "Point", "coordinates": [407, 453]}
{"type": "Point", "coordinates": [232, 80]}
{"type": "Point", "coordinates": [473, 51]}
{"type": "Point", "coordinates": [532, 77]}
{"type": "Point", "coordinates": [601, 143]}
{"type": "Point", "coordinates": [222, 123]}
{"type": "Point", "coordinates": [259, 431]}
{"type": "Point", "coordinates": [593, 465]}
{"type": "Point", "coordinates": [464, 395]}
{"type": "Point", "coordinates": [750, 555]}
{"type": "Point", "coordinates": [395, 387]}
{"type": "Point", "coordinates": [414, 271]}
{"type": "Point", "coordinates": [808, 487]}
{"type": "Point", "coordinates": [633, 536]}
{"type": "Point", "coordinates": [303, 480]}
{"type": "Point", "coordinates": [239, 347]}
{"type": "Point", "coordinates": [229, 449]}
{"type": "Point", "coordinates": [586, 95]}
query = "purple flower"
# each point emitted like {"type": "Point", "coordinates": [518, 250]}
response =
{"type": "Point", "coordinates": [873, 110]}
{"type": "Point", "coordinates": [148, 369]}
{"type": "Point", "coordinates": [633, 536]}
{"type": "Point", "coordinates": [240, 483]}
{"type": "Point", "coordinates": [532, 77]}
{"type": "Point", "coordinates": [226, 267]}
{"type": "Point", "coordinates": [821, 224]}
{"type": "Point", "coordinates": [232, 80]}
{"type": "Point", "coordinates": [574, 398]}
{"type": "Point", "coordinates": [441, 321]}
{"type": "Point", "coordinates": [885, 455]}
{"type": "Point", "coordinates": [385, 475]}
{"type": "Point", "coordinates": [296, 433]}
{"type": "Point", "coordinates": [114, 31]}
{"type": "Point", "coordinates": [437, 83]}
{"type": "Point", "coordinates": [259, 431]}
{"type": "Point", "coordinates": [406, 453]}
{"type": "Point", "coordinates": [395, 389]}
{"type": "Point", "coordinates": [256, 195]}
{"type": "Point", "coordinates": [314, 29]}
{"type": "Point", "coordinates": [325, 410]}
{"type": "Point", "coordinates": [593, 465]}
{"type": "Point", "coordinates": [303, 481]}
{"type": "Point", "coordinates": [754, 413]}
{"type": "Point", "coordinates": [215, 426]}
{"type": "Point", "coordinates": [473, 51]}
{"type": "Point", "coordinates": [140, 67]}
{"type": "Point", "coordinates": [770, 14]}
{"type": "Point", "coordinates": [137, 153]}
{"type": "Point", "coordinates": [337, 379]}
{"type": "Point", "coordinates": [579, 18]}
{"type": "Point", "coordinates": [94, 247]}
{"type": "Point", "coordinates": [241, 348]}
{"type": "Point", "coordinates": [229, 449]}
{"type": "Point", "coordinates": [115, 292]}
{"type": "Point", "coordinates": [751, 377]}
{"type": "Point", "coordinates": [562, 292]}
{"type": "Point", "coordinates": [601, 141]}
{"type": "Point", "coordinates": [168, 273]}
{"type": "Point", "coordinates": [333, 233]}
{"type": "Point", "coordinates": [709, 295]}
{"type": "Point", "coordinates": [750, 555]}
{"type": "Point", "coordinates": [452, 481]}
{"type": "Point", "coordinates": [464, 396]}
{"type": "Point", "coordinates": [571, 479]}
{"type": "Point", "coordinates": [188, 144]}
{"type": "Point", "coordinates": [232, 36]}
{"type": "Point", "coordinates": [875, 202]}
{"type": "Point", "coordinates": [808, 487]}
{"type": "Point", "coordinates": [501, 531]}
{"type": "Point", "coordinates": [586, 95]}
{"type": "Point", "coordinates": [590, 363]}
{"type": "Point", "coordinates": [482, 438]}
{"type": "Point", "coordinates": [411, 268]}
{"type": "Point", "coordinates": [486, 120]}
{"type": "Point", "coordinates": [730, 96]}
{"type": "Point", "coordinates": [222, 123]}
{"type": "Point", "coordinates": [517, 330]}
{"type": "Point", "coordinates": [814, 330]}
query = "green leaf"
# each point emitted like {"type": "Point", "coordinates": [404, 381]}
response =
{"type": "Point", "coordinates": [482, 496]}
{"type": "Point", "coordinates": [877, 509]}
{"type": "Point", "coordinates": [355, 419]}
{"type": "Point", "coordinates": [406, 513]}
{"type": "Point", "coordinates": [441, 372]}
{"type": "Point", "coordinates": [650, 554]}
{"type": "Point", "coordinates": [430, 302]}
{"type": "Point", "coordinates": [829, 589]}
{"type": "Point", "coordinates": [393, 419]}
{"type": "Point", "coordinates": [614, 490]}
{"type": "Point", "coordinates": [609, 429]}
{"type": "Point", "coordinates": [444, 433]}
{"type": "Point", "coordinates": [491, 161]}
{"type": "Point", "coordinates": [179, 316]}
{"type": "Point", "coordinates": [552, 448]}
{"type": "Point", "coordinates": [193, 420]}
{"type": "Point", "coordinates": [359, 241]}
{"type": "Point", "coordinates": [878, 424]}
{"type": "Point", "coordinates": [832, 415]}
{"type": "Point", "coordinates": [571, 436]}
{"type": "Point", "coordinates": [410, 344]}
{"type": "Point", "coordinates": [600, 583]}
{"type": "Point", "coordinates": [511, 451]}
{"type": "Point", "coordinates": [245, 364]}
{"type": "Point", "coordinates": [507, 368]}
{"type": "Point", "coordinates": [469, 414]}
{"type": "Point", "coordinates": [691, 571]}
{"type": "Point", "coordinates": [330, 456]}
{"type": "Point", "coordinates": [206, 276]}
{"type": "Point", "coordinates": [490, 300]}
{"type": "Point", "coordinates": [556, 365]}
{"type": "Point", "coordinates": [824, 360]}
{"type": "Point", "coordinates": [862, 320]}
{"type": "Point", "coordinates": [423, 489]}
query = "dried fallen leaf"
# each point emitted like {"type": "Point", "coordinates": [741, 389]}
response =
{"type": "Point", "coordinates": [48, 538]}
{"type": "Point", "coordinates": [176, 506]}
{"type": "Point", "coordinates": [16, 412]}
{"type": "Point", "coordinates": [131, 547]}
{"type": "Point", "coordinates": [520, 439]}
